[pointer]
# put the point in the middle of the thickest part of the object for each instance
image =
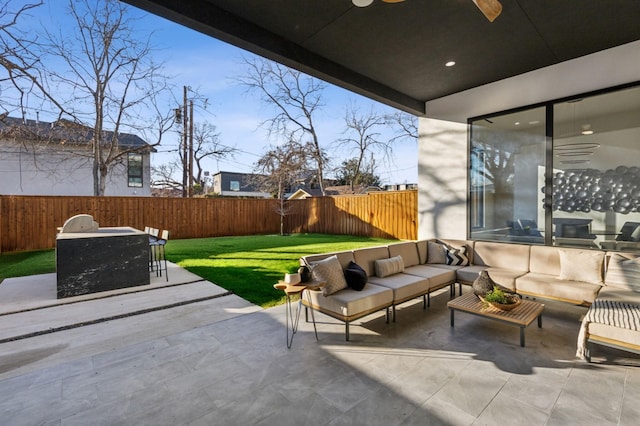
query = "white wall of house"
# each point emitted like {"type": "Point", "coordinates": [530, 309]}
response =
{"type": "Point", "coordinates": [443, 139]}
{"type": "Point", "coordinates": [25, 170]}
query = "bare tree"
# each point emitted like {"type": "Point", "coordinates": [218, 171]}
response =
{"type": "Point", "coordinates": [163, 177]}
{"type": "Point", "coordinates": [363, 139]}
{"type": "Point", "coordinates": [104, 79]}
{"type": "Point", "coordinates": [405, 126]}
{"type": "Point", "coordinates": [21, 61]}
{"type": "Point", "coordinates": [207, 144]}
{"type": "Point", "coordinates": [279, 169]}
{"type": "Point", "coordinates": [296, 98]}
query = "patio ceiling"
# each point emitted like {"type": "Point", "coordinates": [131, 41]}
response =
{"type": "Point", "coordinates": [395, 53]}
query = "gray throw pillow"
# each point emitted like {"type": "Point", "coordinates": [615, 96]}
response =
{"type": "Point", "coordinates": [330, 272]}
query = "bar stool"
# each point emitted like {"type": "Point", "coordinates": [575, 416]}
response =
{"type": "Point", "coordinates": [158, 254]}
{"type": "Point", "coordinates": [153, 237]}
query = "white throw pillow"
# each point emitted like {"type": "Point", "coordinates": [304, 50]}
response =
{"type": "Point", "coordinates": [330, 272]}
{"type": "Point", "coordinates": [581, 265]}
{"type": "Point", "coordinates": [390, 266]}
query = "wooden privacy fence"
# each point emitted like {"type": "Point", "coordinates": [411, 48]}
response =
{"type": "Point", "coordinates": [31, 222]}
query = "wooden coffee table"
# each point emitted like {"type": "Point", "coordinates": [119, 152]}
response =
{"type": "Point", "coordinates": [522, 316]}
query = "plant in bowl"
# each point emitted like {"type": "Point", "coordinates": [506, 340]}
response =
{"type": "Point", "coordinates": [500, 299]}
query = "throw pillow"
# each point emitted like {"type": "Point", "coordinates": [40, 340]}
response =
{"type": "Point", "coordinates": [623, 272]}
{"type": "Point", "coordinates": [436, 253]}
{"type": "Point", "coordinates": [330, 272]}
{"type": "Point", "coordinates": [581, 265]}
{"type": "Point", "coordinates": [390, 266]}
{"type": "Point", "coordinates": [456, 256]}
{"type": "Point", "coordinates": [356, 276]}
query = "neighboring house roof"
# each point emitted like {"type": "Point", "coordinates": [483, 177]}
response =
{"type": "Point", "coordinates": [63, 132]}
{"type": "Point", "coordinates": [303, 193]}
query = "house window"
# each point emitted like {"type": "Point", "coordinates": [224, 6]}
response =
{"type": "Point", "coordinates": [596, 175]}
{"type": "Point", "coordinates": [234, 185]}
{"type": "Point", "coordinates": [576, 157]}
{"type": "Point", "coordinates": [507, 171]}
{"type": "Point", "coordinates": [134, 170]}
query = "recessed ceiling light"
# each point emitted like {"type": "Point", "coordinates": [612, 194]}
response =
{"type": "Point", "coordinates": [450, 64]}
{"type": "Point", "coordinates": [586, 129]}
{"type": "Point", "coordinates": [517, 123]}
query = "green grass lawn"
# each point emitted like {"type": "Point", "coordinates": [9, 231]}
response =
{"type": "Point", "coordinates": [27, 263]}
{"type": "Point", "coordinates": [247, 266]}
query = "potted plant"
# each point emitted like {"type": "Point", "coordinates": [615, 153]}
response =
{"type": "Point", "coordinates": [500, 299]}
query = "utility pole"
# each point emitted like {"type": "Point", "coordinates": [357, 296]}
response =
{"type": "Point", "coordinates": [185, 120]}
{"type": "Point", "coordinates": [191, 148]}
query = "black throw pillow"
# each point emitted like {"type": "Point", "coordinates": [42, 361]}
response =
{"type": "Point", "coordinates": [356, 276]}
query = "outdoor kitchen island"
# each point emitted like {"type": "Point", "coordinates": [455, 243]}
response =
{"type": "Point", "coordinates": [102, 259]}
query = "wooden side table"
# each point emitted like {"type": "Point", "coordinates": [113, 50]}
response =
{"type": "Point", "coordinates": [293, 318]}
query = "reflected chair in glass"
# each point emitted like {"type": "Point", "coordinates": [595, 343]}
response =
{"type": "Point", "coordinates": [627, 239]}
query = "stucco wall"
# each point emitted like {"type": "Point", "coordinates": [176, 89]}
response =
{"type": "Point", "coordinates": [442, 179]}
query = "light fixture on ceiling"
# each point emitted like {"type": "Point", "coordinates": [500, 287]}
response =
{"type": "Point", "coordinates": [450, 64]}
{"type": "Point", "coordinates": [491, 9]}
{"type": "Point", "coordinates": [365, 3]}
{"type": "Point", "coordinates": [586, 130]}
{"type": "Point", "coordinates": [577, 146]}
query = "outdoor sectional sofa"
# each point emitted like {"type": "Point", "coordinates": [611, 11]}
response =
{"type": "Point", "coordinates": [569, 275]}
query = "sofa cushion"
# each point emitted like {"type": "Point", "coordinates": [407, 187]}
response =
{"type": "Point", "coordinates": [438, 277]}
{"type": "Point", "coordinates": [456, 256]}
{"type": "Point", "coordinates": [504, 277]}
{"type": "Point", "coordinates": [404, 286]}
{"type": "Point", "coordinates": [544, 260]}
{"type": "Point", "coordinates": [502, 255]}
{"type": "Point", "coordinates": [581, 265]}
{"type": "Point", "coordinates": [356, 276]}
{"type": "Point", "coordinates": [619, 294]}
{"type": "Point", "coordinates": [390, 266]}
{"type": "Point", "coordinates": [330, 272]}
{"type": "Point", "coordinates": [366, 258]}
{"type": "Point", "coordinates": [408, 250]}
{"type": "Point", "coordinates": [617, 333]}
{"type": "Point", "coordinates": [349, 303]}
{"type": "Point", "coordinates": [422, 246]}
{"type": "Point", "coordinates": [545, 285]}
{"type": "Point", "coordinates": [623, 271]}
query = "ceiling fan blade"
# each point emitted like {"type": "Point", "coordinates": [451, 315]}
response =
{"type": "Point", "coordinates": [365, 3]}
{"type": "Point", "coordinates": [490, 8]}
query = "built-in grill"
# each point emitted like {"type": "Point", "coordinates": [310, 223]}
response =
{"type": "Point", "coordinates": [79, 223]}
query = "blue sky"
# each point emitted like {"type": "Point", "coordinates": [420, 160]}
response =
{"type": "Point", "coordinates": [208, 66]}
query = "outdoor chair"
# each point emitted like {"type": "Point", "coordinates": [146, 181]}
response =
{"type": "Point", "coordinates": [157, 252]}
{"type": "Point", "coordinates": [153, 237]}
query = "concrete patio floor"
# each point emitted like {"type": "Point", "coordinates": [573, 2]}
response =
{"type": "Point", "coordinates": [189, 353]}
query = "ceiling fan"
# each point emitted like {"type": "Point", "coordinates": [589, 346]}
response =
{"type": "Point", "coordinates": [490, 8]}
